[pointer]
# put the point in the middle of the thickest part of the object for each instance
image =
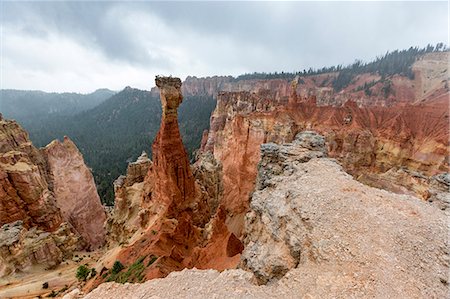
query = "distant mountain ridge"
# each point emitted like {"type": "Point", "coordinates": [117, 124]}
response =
{"type": "Point", "coordinates": [29, 106]}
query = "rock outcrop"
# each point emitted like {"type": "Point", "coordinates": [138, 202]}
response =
{"type": "Point", "coordinates": [75, 192]}
{"type": "Point", "coordinates": [315, 232]}
{"type": "Point", "coordinates": [21, 248]}
{"type": "Point", "coordinates": [48, 202]}
{"type": "Point", "coordinates": [306, 213]}
{"type": "Point", "coordinates": [131, 201]}
{"type": "Point", "coordinates": [24, 191]}
{"type": "Point", "coordinates": [165, 214]}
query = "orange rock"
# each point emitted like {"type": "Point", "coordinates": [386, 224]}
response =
{"type": "Point", "coordinates": [24, 191]}
{"type": "Point", "coordinates": [49, 206]}
{"type": "Point", "coordinates": [183, 229]}
{"type": "Point", "coordinates": [175, 183]}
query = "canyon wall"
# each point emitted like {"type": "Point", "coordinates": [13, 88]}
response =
{"type": "Point", "coordinates": [378, 143]}
{"type": "Point", "coordinates": [49, 206]}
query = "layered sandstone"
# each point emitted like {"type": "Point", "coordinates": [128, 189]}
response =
{"type": "Point", "coordinates": [48, 202]}
{"type": "Point", "coordinates": [24, 190]}
{"type": "Point", "coordinates": [371, 138]}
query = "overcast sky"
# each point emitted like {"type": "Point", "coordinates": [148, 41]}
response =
{"type": "Point", "coordinates": [82, 46]}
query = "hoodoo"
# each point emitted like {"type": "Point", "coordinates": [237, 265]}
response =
{"type": "Point", "coordinates": [175, 184]}
{"type": "Point", "coordinates": [171, 216]}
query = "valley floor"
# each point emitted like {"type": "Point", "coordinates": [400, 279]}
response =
{"type": "Point", "coordinates": [59, 279]}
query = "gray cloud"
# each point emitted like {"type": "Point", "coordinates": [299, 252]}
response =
{"type": "Point", "coordinates": [86, 45]}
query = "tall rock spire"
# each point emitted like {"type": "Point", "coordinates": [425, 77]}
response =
{"type": "Point", "coordinates": [175, 183]}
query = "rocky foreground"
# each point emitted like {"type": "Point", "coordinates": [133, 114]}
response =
{"type": "Point", "coordinates": [315, 232]}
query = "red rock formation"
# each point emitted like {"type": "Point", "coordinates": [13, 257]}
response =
{"type": "Point", "coordinates": [50, 195]}
{"type": "Point", "coordinates": [367, 132]}
{"type": "Point", "coordinates": [183, 228]}
{"type": "Point", "coordinates": [372, 135]}
{"type": "Point", "coordinates": [194, 86]}
{"type": "Point", "coordinates": [363, 139]}
{"type": "Point", "coordinates": [75, 191]}
{"type": "Point", "coordinates": [24, 191]}
{"type": "Point", "coordinates": [175, 183]}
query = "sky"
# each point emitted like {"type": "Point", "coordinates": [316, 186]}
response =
{"type": "Point", "coordinates": [82, 46]}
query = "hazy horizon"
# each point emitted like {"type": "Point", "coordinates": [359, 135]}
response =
{"type": "Point", "coordinates": [83, 46]}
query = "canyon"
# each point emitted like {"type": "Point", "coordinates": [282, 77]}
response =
{"type": "Point", "coordinates": [310, 232]}
{"type": "Point", "coordinates": [398, 144]}
{"type": "Point", "coordinates": [288, 185]}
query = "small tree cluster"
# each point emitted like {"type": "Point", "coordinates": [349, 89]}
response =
{"type": "Point", "coordinates": [82, 273]}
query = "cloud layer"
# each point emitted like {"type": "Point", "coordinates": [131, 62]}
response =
{"type": "Point", "coordinates": [81, 46]}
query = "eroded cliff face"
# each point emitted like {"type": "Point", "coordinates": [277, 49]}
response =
{"type": "Point", "coordinates": [48, 202]}
{"type": "Point", "coordinates": [373, 140]}
{"type": "Point", "coordinates": [24, 191]}
{"type": "Point", "coordinates": [75, 191]}
{"type": "Point", "coordinates": [172, 218]}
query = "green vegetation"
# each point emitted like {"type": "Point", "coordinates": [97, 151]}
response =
{"type": "Point", "coordinates": [30, 107]}
{"type": "Point", "coordinates": [134, 273]}
{"type": "Point", "coordinates": [152, 259]}
{"type": "Point", "coordinates": [82, 273]}
{"type": "Point", "coordinates": [93, 272]}
{"type": "Point", "coordinates": [117, 267]}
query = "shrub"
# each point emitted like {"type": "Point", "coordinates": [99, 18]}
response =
{"type": "Point", "coordinates": [93, 272]}
{"type": "Point", "coordinates": [152, 259]}
{"type": "Point", "coordinates": [132, 274]}
{"type": "Point", "coordinates": [45, 285]}
{"type": "Point", "coordinates": [117, 267]}
{"type": "Point", "coordinates": [82, 273]}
